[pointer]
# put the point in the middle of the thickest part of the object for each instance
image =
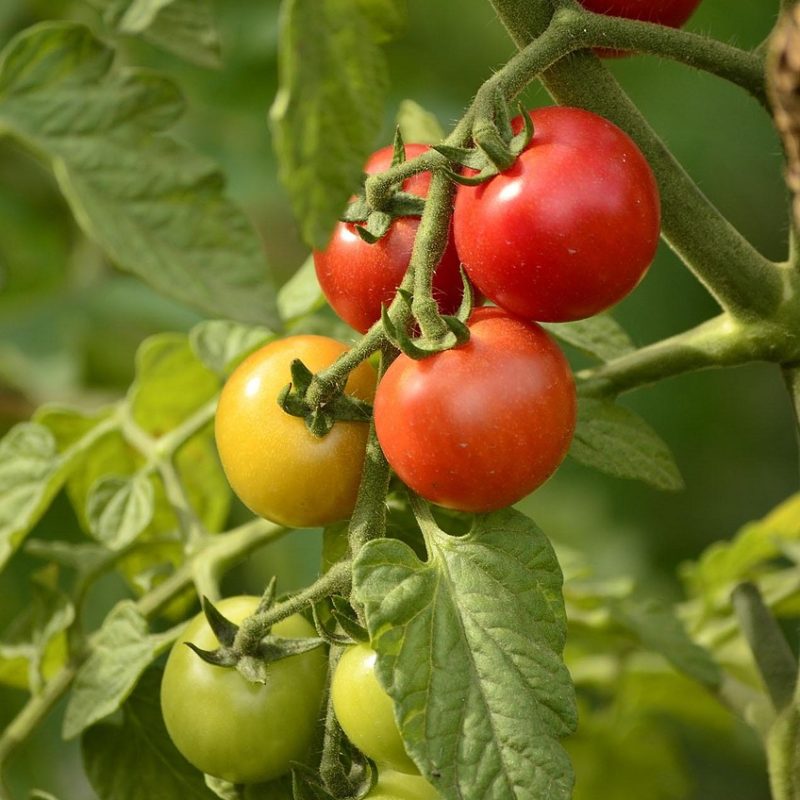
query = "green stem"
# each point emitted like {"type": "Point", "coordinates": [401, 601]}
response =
{"type": "Point", "coordinates": [722, 341]}
{"type": "Point", "coordinates": [791, 377]}
{"type": "Point", "coordinates": [783, 755]}
{"type": "Point", "coordinates": [171, 442]}
{"type": "Point", "coordinates": [331, 770]}
{"type": "Point", "coordinates": [429, 246]}
{"type": "Point", "coordinates": [738, 277]}
{"type": "Point", "coordinates": [253, 629]}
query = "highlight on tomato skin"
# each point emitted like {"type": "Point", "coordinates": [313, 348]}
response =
{"type": "Point", "coordinates": [570, 228]}
{"type": "Point", "coordinates": [357, 278]}
{"type": "Point", "coordinates": [478, 427]}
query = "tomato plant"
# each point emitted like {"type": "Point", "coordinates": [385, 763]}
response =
{"type": "Point", "coordinates": [570, 228]}
{"type": "Point", "coordinates": [365, 711]}
{"type": "Point", "coordinates": [230, 728]}
{"type": "Point", "coordinates": [496, 438]}
{"type": "Point", "coordinates": [358, 277]}
{"type": "Point", "coordinates": [274, 463]}
{"type": "Point", "coordinates": [399, 786]}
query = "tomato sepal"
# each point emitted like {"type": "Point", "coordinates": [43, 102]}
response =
{"type": "Point", "coordinates": [319, 417]}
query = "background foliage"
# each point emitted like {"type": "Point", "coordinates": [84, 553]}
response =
{"type": "Point", "coordinates": [70, 324]}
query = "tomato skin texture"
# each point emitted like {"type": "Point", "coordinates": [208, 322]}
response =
{"type": "Point", "coordinates": [479, 427]}
{"type": "Point", "coordinates": [357, 278]}
{"type": "Point", "coordinates": [672, 13]}
{"type": "Point", "coordinates": [366, 712]}
{"type": "Point", "coordinates": [570, 228]}
{"type": "Point", "coordinates": [276, 466]}
{"type": "Point", "coordinates": [233, 729]}
{"type": "Point", "coordinates": [393, 785]}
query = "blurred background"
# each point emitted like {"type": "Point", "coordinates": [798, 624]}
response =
{"type": "Point", "coordinates": [70, 324]}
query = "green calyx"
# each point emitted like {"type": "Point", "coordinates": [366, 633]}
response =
{"type": "Point", "coordinates": [326, 409]}
{"type": "Point", "coordinates": [496, 148]}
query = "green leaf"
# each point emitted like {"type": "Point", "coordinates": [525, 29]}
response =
{"type": "Point", "coordinates": [469, 647]}
{"type": "Point", "coordinates": [329, 106]}
{"type": "Point", "coordinates": [31, 473]}
{"type": "Point", "coordinates": [183, 27]}
{"type": "Point", "coordinates": [170, 383]}
{"type": "Point", "coordinates": [600, 336]}
{"type": "Point", "coordinates": [157, 208]}
{"type": "Point", "coordinates": [119, 509]}
{"type": "Point", "coordinates": [617, 441]}
{"type": "Point", "coordinates": [659, 629]}
{"type": "Point", "coordinates": [417, 124]}
{"type": "Point", "coordinates": [121, 651]}
{"type": "Point", "coordinates": [300, 295]}
{"type": "Point", "coordinates": [221, 344]}
{"type": "Point", "coordinates": [726, 563]}
{"type": "Point", "coordinates": [137, 760]}
{"type": "Point", "coordinates": [35, 645]}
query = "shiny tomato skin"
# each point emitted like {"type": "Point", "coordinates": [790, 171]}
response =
{"type": "Point", "coordinates": [366, 712]}
{"type": "Point", "coordinates": [230, 728]}
{"type": "Point", "coordinates": [393, 785]}
{"type": "Point", "coordinates": [672, 13]}
{"type": "Point", "coordinates": [570, 228]}
{"type": "Point", "coordinates": [357, 278]}
{"type": "Point", "coordinates": [479, 427]}
{"type": "Point", "coordinates": [276, 466]}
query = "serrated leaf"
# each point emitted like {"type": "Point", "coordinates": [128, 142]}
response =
{"type": "Point", "coordinates": [119, 509]}
{"type": "Point", "coordinates": [121, 651]}
{"type": "Point", "coordinates": [658, 628]}
{"type": "Point", "coordinates": [157, 208]}
{"type": "Point", "coordinates": [31, 473]}
{"type": "Point", "coordinates": [183, 27]}
{"type": "Point", "coordinates": [469, 647]}
{"type": "Point", "coordinates": [301, 294]}
{"type": "Point", "coordinates": [222, 344]}
{"type": "Point", "coordinates": [329, 105]}
{"type": "Point", "coordinates": [140, 747]}
{"type": "Point", "coordinates": [416, 124]}
{"type": "Point", "coordinates": [619, 442]}
{"type": "Point", "coordinates": [600, 336]}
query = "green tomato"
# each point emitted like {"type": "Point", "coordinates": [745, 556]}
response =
{"type": "Point", "coordinates": [231, 728]}
{"type": "Point", "coordinates": [393, 785]}
{"type": "Point", "coordinates": [366, 712]}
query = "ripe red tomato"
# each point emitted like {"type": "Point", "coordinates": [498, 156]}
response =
{"type": "Point", "coordinates": [570, 228]}
{"type": "Point", "coordinates": [478, 427]}
{"type": "Point", "coordinates": [665, 12]}
{"type": "Point", "coordinates": [357, 278]}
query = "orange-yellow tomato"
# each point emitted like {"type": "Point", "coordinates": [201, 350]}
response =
{"type": "Point", "coordinates": [276, 466]}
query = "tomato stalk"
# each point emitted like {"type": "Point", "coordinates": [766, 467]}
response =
{"type": "Point", "coordinates": [721, 341]}
{"type": "Point", "coordinates": [741, 280]}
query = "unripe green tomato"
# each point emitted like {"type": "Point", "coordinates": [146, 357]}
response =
{"type": "Point", "coordinates": [393, 785]}
{"type": "Point", "coordinates": [231, 728]}
{"type": "Point", "coordinates": [366, 712]}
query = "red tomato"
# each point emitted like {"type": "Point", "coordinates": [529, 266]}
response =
{"type": "Point", "coordinates": [478, 427]}
{"type": "Point", "coordinates": [570, 228]}
{"type": "Point", "coordinates": [357, 278]}
{"type": "Point", "coordinates": [665, 12]}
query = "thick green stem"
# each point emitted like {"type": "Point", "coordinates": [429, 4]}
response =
{"type": "Point", "coordinates": [741, 279]}
{"type": "Point", "coordinates": [722, 341]}
{"type": "Point", "coordinates": [783, 755]}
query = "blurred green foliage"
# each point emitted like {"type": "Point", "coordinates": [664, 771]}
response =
{"type": "Point", "coordinates": [70, 324]}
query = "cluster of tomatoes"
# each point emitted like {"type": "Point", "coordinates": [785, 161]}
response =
{"type": "Point", "coordinates": [563, 234]}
